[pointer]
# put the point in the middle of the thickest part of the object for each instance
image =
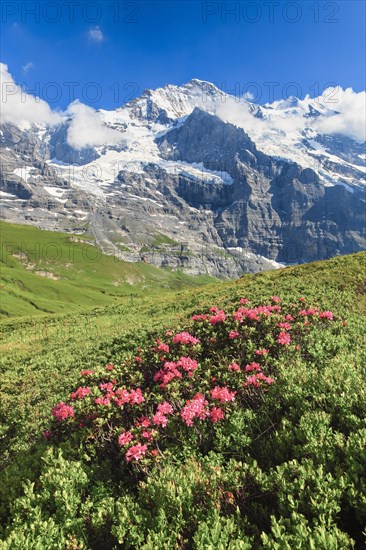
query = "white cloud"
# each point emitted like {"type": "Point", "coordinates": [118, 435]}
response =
{"type": "Point", "coordinates": [27, 67]}
{"type": "Point", "coordinates": [238, 113]}
{"type": "Point", "coordinates": [351, 106]}
{"type": "Point", "coordinates": [20, 108]}
{"type": "Point", "coordinates": [95, 34]}
{"type": "Point", "coordinates": [350, 120]}
{"type": "Point", "coordinates": [87, 128]}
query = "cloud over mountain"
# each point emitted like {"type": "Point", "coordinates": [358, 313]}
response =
{"type": "Point", "coordinates": [21, 108]}
{"type": "Point", "coordinates": [87, 128]}
{"type": "Point", "coordinates": [351, 117]}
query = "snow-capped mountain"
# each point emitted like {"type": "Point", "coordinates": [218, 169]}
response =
{"type": "Point", "coordinates": [189, 176]}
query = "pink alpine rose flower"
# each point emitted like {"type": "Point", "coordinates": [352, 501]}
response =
{"type": "Point", "coordinates": [196, 408]}
{"type": "Point", "coordinates": [165, 408]}
{"type": "Point", "coordinates": [326, 315]}
{"type": "Point", "coordinates": [136, 452]}
{"type": "Point", "coordinates": [80, 393]}
{"type": "Point", "coordinates": [161, 347]}
{"type": "Point", "coordinates": [252, 366]}
{"type": "Point", "coordinates": [62, 411]}
{"type": "Point", "coordinates": [234, 367]}
{"type": "Point", "coordinates": [220, 317]}
{"type": "Point", "coordinates": [284, 339]}
{"type": "Point", "coordinates": [187, 364]}
{"type": "Point", "coordinates": [185, 338]}
{"type": "Point", "coordinates": [144, 421]}
{"type": "Point", "coordinates": [124, 438]}
{"type": "Point", "coordinates": [216, 414]}
{"type": "Point", "coordinates": [159, 419]}
{"type": "Point", "coordinates": [136, 397]}
{"type": "Point", "coordinates": [222, 394]}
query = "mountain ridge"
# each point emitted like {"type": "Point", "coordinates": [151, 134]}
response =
{"type": "Point", "coordinates": [237, 184]}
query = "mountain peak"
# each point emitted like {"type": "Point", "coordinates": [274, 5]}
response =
{"type": "Point", "coordinates": [201, 83]}
{"type": "Point", "coordinates": [288, 103]}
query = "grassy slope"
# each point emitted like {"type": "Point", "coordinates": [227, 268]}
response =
{"type": "Point", "coordinates": [85, 277]}
{"type": "Point", "coordinates": [40, 357]}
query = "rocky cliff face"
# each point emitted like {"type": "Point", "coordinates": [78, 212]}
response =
{"type": "Point", "coordinates": [272, 206]}
{"type": "Point", "coordinates": [187, 189]}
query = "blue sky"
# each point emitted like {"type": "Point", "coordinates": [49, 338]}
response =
{"type": "Point", "coordinates": [112, 50]}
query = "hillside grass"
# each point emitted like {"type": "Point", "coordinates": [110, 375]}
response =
{"type": "Point", "coordinates": [41, 356]}
{"type": "Point", "coordinates": [52, 272]}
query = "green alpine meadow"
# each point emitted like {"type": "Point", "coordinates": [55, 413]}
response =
{"type": "Point", "coordinates": [145, 408]}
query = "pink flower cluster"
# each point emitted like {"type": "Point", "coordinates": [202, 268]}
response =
{"type": "Point", "coordinates": [199, 317]}
{"type": "Point", "coordinates": [256, 379]}
{"type": "Point", "coordinates": [254, 312]}
{"type": "Point", "coordinates": [161, 347]}
{"type": "Point", "coordinates": [144, 421]}
{"type": "Point", "coordinates": [136, 397]}
{"type": "Point", "coordinates": [167, 374]}
{"type": "Point", "coordinates": [309, 312]}
{"type": "Point", "coordinates": [196, 408]}
{"type": "Point", "coordinates": [119, 396]}
{"type": "Point", "coordinates": [80, 393]}
{"type": "Point", "coordinates": [285, 326]}
{"type": "Point", "coordinates": [233, 334]}
{"type": "Point", "coordinates": [187, 364]}
{"type": "Point", "coordinates": [108, 386]}
{"type": "Point", "coordinates": [284, 338]}
{"type": "Point", "coordinates": [258, 376]}
{"type": "Point", "coordinates": [326, 315]}
{"type": "Point", "coordinates": [218, 317]}
{"type": "Point", "coordinates": [172, 370]}
{"type": "Point", "coordinates": [314, 311]}
{"type": "Point", "coordinates": [216, 414]}
{"type": "Point", "coordinates": [165, 408]}
{"type": "Point", "coordinates": [185, 338]}
{"type": "Point", "coordinates": [62, 411]}
{"type": "Point", "coordinates": [124, 438]}
{"type": "Point", "coordinates": [136, 452]}
{"type": "Point", "coordinates": [222, 394]}
{"type": "Point", "coordinates": [160, 418]}
{"type": "Point", "coordinates": [234, 367]}
{"type": "Point", "coordinates": [253, 366]}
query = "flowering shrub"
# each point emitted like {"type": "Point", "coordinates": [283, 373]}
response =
{"type": "Point", "coordinates": [192, 380]}
{"type": "Point", "coordinates": [242, 429]}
